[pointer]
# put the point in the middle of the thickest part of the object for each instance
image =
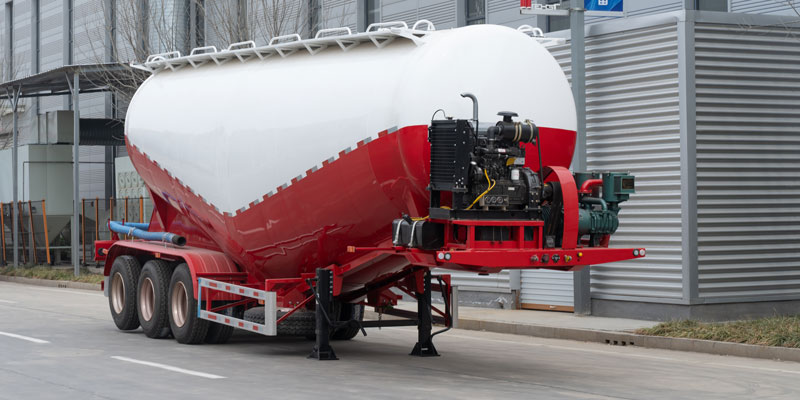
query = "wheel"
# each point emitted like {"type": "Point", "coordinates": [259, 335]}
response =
{"type": "Point", "coordinates": [186, 327]}
{"type": "Point", "coordinates": [349, 312]}
{"type": "Point", "coordinates": [219, 333]}
{"type": "Point", "coordinates": [152, 299]}
{"type": "Point", "coordinates": [122, 292]}
{"type": "Point", "coordinates": [301, 323]}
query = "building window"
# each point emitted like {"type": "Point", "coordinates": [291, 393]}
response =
{"type": "Point", "coordinates": [555, 23]}
{"type": "Point", "coordinates": [711, 5]}
{"type": "Point", "coordinates": [373, 13]}
{"type": "Point", "coordinates": [476, 12]}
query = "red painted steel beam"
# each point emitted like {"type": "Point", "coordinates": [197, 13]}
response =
{"type": "Point", "coordinates": [533, 258]}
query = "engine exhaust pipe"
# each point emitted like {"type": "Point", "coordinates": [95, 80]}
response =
{"type": "Point", "coordinates": [474, 108]}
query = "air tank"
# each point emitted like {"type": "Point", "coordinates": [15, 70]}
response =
{"type": "Point", "coordinates": [282, 156]}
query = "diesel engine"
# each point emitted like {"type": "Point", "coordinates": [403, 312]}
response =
{"type": "Point", "coordinates": [481, 175]}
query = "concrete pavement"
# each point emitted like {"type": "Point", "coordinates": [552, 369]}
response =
{"type": "Point", "coordinates": [77, 352]}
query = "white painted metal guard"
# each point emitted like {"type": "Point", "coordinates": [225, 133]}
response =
{"type": "Point", "coordinates": [269, 328]}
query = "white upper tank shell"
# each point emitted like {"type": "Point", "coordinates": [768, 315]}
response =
{"type": "Point", "coordinates": [234, 132]}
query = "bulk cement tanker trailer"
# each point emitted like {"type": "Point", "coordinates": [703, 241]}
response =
{"type": "Point", "coordinates": [296, 183]}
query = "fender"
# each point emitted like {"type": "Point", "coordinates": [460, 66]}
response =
{"type": "Point", "coordinates": [200, 261]}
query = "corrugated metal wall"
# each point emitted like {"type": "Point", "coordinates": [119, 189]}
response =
{"type": "Point", "coordinates": [748, 162]}
{"type": "Point", "coordinates": [52, 46]}
{"type": "Point", "coordinates": [543, 287]}
{"type": "Point", "coordinates": [126, 27]}
{"type": "Point", "coordinates": [773, 7]}
{"type": "Point", "coordinates": [633, 124]}
{"type": "Point", "coordinates": [472, 281]}
{"type": "Point", "coordinates": [506, 12]}
{"type": "Point", "coordinates": [339, 13]}
{"type": "Point", "coordinates": [441, 12]}
{"type": "Point", "coordinates": [3, 40]}
{"type": "Point", "coordinates": [89, 47]}
{"type": "Point", "coordinates": [51, 26]}
{"type": "Point", "coordinates": [22, 68]}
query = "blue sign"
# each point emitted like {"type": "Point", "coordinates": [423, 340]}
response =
{"type": "Point", "coordinates": [603, 5]}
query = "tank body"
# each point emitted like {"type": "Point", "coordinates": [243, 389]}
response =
{"type": "Point", "coordinates": [284, 162]}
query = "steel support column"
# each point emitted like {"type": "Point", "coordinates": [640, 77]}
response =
{"type": "Point", "coordinates": [322, 348]}
{"type": "Point", "coordinates": [76, 162]}
{"type": "Point", "coordinates": [580, 280]}
{"type": "Point", "coordinates": [424, 346]}
{"type": "Point", "coordinates": [14, 94]}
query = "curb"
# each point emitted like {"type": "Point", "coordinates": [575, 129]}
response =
{"type": "Point", "coordinates": [52, 283]}
{"type": "Point", "coordinates": [629, 339]}
{"type": "Point", "coordinates": [632, 339]}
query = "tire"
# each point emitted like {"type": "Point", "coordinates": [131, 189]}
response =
{"type": "Point", "coordinates": [219, 333]}
{"type": "Point", "coordinates": [301, 323]}
{"type": "Point", "coordinates": [349, 312]}
{"type": "Point", "coordinates": [152, 297]}
{"type": "Point", "coordinates": [186, 327]}
{"type": "Point", "coordinates": [123, 278]}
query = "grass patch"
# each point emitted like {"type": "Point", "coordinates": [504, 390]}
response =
{"type": "Point", "coordinates": [50, 273]}
{"type": "Point", "coordinates": [773, 331]}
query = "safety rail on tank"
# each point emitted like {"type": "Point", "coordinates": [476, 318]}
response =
{"type": "Point", "coordinates": [268, 328]}
{"type": "Point", "coordinates": [379, 34]}
{"type": "Point", "coordinates": [538, 35]}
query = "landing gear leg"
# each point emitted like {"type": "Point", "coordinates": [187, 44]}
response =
{"type": "Point", "coordinates": [424, 346]}
{"type": "Point", "coordinates": [322, 348]}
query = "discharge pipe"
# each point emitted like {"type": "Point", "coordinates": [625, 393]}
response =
{"type": "Point", "coordinates": [595, 200]}
{"type": "Point", "coordinates": [139, 231]}
{"type": "Point", "coordinates": [588, 184]}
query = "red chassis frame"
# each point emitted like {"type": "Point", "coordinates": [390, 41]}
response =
{"type": "Point", "coordinates": [368, 278]}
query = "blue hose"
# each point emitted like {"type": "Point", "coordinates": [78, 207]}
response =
{"type": "Point", "coordinates": [133, 229]}
{"type": "Point", "coordinates": [138, 225]}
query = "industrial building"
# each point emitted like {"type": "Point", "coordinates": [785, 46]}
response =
{"type": "Point", "coordinates": [697, 98]}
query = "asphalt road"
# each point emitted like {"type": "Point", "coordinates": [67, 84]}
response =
{"type": "Point", "coordinates": [62, 344]}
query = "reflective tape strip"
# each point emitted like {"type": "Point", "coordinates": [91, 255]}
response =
{"type": "Point", "coordinates": [233, 289]}
{"type": "Point", "coordinates": [267, 329]}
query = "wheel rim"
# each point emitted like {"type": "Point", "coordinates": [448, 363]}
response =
{"type": "Point", "coordinates": [117, 293]}
{"type": "Point", "coordinates": [147, 295]}
{"type": "Point", "coordinates": [179, 304]}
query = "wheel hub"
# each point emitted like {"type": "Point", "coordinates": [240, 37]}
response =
{"type": "Point", "coordinates": [147, 296]}
{"type": "Point", "coordinates": [179, 304]}
{"type": "Point", "coordinates": [117, 293]}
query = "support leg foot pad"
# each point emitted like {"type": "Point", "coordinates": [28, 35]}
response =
{"type": "Point", "coordinates": [426, 350]}
{"type": "Point", "coordinates": [323, 354]}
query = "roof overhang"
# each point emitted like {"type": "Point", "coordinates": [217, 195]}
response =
{"type": "Point", "coordinates": [101, 77]}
